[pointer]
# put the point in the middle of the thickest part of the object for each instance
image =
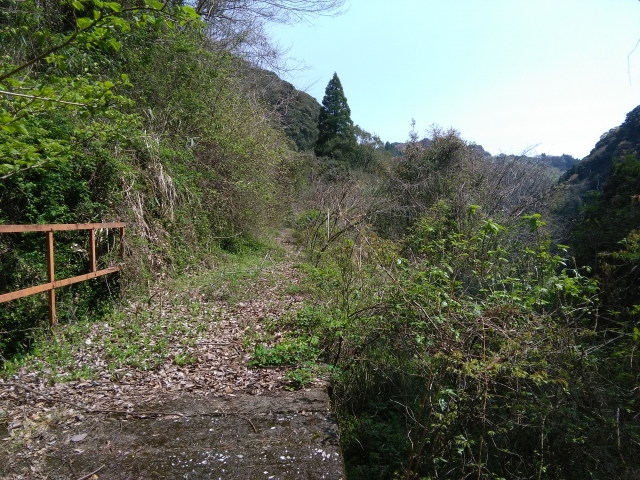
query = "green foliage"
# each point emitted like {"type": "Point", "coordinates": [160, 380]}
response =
{"type": "Point", "coordinates": [392, 149]}
{"type": "Point", "coordinates": [470, 354]}
{"type": "Point", "coordinates": [298, 111]}
{"type": "Point", "coordinates": [183, 359]}
{"type": "Point", "coordinates": [77, 191]}
{"type": "Point", "coordinates": [610, 215]}
{"type": "Point", "coordinates": [619, 278]}
{"type": "Point", "coordinates": [374, 439]}
{"type": "Point", "coordinates": [300, 121]}
{"type": "Point", "coordinates": [235, 161]}
{"type": "Point", "coordinates": [342, 145]}
{"type": "Point", "coordinates": [445, 168]}
{"type": "Point", "coordinates": [615, 144]}
{"type": "Point", "coordinates": [163, 137]}
{"type": "Point", "coordinates": [29, 94]}
{"type": "Point", "coordinates": [369, 152]}
{"type": "Point", "coordinates": [461, 340]}
{"type": "Point", "coordinates": [336, 136]}
{"type": "Point", "coordinates": [290, 351]}
{"type": "Point", "coordinates": [299, 378]}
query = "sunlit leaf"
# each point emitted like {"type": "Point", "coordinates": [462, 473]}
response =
{"type": "Point", "coordinates": [155, 4]}
{"type": "Point", "coordinates": [115, 44]}
{"type": "Point", "coordinates": [84, 23]}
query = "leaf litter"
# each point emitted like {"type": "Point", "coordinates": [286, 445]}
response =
{"type": "Point", "coordinates": [196, 338]}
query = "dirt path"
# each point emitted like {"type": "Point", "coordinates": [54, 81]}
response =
{"type": "Point", "coordinates": [176, 361]}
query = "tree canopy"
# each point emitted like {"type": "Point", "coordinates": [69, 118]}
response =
{"type": "Point", "coordinates": [336, 135]}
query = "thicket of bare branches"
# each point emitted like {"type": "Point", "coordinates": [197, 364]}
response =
{"type": "Point", "coordinates": [450, 170]}
{"type": "Point", "coordinates": [240, 26]}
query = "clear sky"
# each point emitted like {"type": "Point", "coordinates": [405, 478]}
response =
{"type": "Point", "coordinates": [507, 74]}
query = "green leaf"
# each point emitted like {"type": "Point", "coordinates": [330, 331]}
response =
{"type": "Point", "coordinates": [115, 6]}
{"type": "Point", "coordinates": [155, 4]}
{"type": "Point", "coordinates": [84, 23]}
{"type": "Point", "coordinates": [122, 24]}
{"type": "Point", "coordinates": [13, 82]}
{"type": "Point", "coordinates": [115, 44]}
{"type": "Point", "coordinates": [491, 226]}
{"type": "Point", "coordinates": [534, 222]}
{"type": "Point", "coordinates": [77, 5]}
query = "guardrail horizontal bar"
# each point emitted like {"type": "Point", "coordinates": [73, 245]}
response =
{"type": "Point", "coordinates": [82, 278]}
{"type": "Point", "coordinates": [45, 287]}
{"type": "Point", "coordinates": [57, 284]}
{"type": "Point", "coordinates": [58, 227]}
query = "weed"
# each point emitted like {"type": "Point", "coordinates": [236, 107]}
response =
{"type": "Point", "coordinates": [291, 351]}
{"type": "Point", "coordinates": [299, 378]}
{"type": "Point", "coordinates": [183, 359]}
{"type": "Point", "coordinates": [294, 289]}
{"type": "Point", "coordinates": [195, 308]}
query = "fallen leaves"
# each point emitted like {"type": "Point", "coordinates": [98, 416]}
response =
{"type": "Point", "coordinates": [166, 344]}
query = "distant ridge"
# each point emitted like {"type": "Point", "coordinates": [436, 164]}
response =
{"type": "Point", "coordinates": [561, 162]}
{"type": "Point", "coordinates": [616, 143]}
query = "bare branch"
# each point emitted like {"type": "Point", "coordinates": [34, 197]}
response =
{"type": "Point", "coordinates": [46, 99]}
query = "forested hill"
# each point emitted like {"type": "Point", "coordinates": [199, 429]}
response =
{"type": "Point", "coordinates": [136, 121]}
{"type": "Point", "coordinates": [616, 143]}
{"type": "Point", "coordinates": [297, 110]}
{"type": "Point", "coordinates": [561, 162]}
{"type": "Point", "coordinates": [604, 190]}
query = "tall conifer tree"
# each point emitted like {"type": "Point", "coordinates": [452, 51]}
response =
{"type": "Point", "coordinates": [336, 136]}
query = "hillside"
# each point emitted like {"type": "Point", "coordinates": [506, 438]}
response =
{"type": "Point", "coordinates": [157, 129]}
{"type": "Point", "coordinates": [560, 162]}
{"type": "Point", "coordinates": [615, 144]}
{"type": "Point", "coordinates": [296, 110]}
{"type": "Point", "coordinates": [601, 204]}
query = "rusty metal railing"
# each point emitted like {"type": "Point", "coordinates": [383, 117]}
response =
{"type": "Point", "coordinates": [53, 283]}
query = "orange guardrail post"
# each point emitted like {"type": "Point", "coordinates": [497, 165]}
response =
{"type": "Point", "coordinates": [92, 249]}
{"type": "Point", "coordinates": [51, 272]}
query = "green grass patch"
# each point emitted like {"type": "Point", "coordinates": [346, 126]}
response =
{"type": "Point", "coordinates": [290, 351]}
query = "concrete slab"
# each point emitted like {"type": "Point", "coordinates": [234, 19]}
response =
{"type": "Point", "coordinates": [290, 436]}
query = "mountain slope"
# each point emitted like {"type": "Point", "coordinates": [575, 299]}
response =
{"type": "Point", "coordinates": [297, 111]}
{"type": "Point", "coordinates": [616, 143]}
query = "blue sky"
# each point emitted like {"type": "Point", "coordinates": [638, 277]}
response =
{"type": "Point", "coordinates": [508, 74]}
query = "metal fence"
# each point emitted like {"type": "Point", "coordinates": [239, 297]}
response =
{"type": "Point", "coordinates": [53, 283]}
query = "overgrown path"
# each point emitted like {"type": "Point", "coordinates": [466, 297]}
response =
{"type": "Point", "coordinates": [163, 389]}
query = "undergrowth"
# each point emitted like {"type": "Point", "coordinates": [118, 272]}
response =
{"type": "Point", "coordinates": [458, 352]}
{"type": "Point", "coordinates": [148, 331]}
